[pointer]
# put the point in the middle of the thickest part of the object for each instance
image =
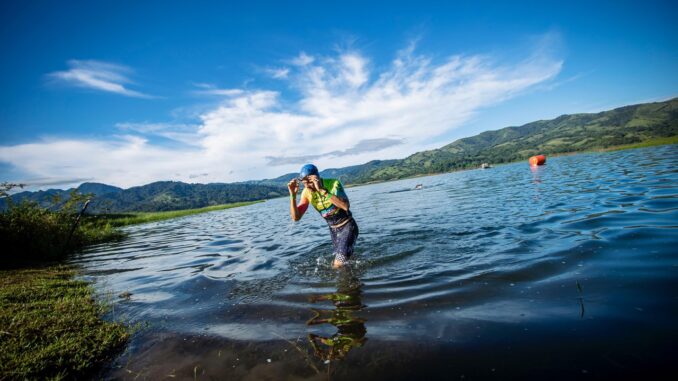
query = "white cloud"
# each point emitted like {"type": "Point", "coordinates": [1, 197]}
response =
{"type": "Point", "coordinates": [46, 182]}
{"type": "Point", "coordinates": [124, 160]}
{"type": "Point", "coordinates": [353, 69]}
{"type": "Point", "coordinates": [179, 132]}
{"type": "Point", "coordinates": [363, 146]}
{"type": "Point", "coordinates": [344, 112]}
{"type": "Point", "coordinates": [97, 75]}
{"type": "Point", "coordinates": [302, 59]}
{"type": "Point", "coordinates": [210, 89]}
{"type": "Point", "coordinates": [279, 73]}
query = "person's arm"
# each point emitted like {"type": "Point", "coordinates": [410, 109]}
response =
{"type": "Point", "coordinates": [296, 211]}
{"type": "Point", "coordinates": [336, 199]}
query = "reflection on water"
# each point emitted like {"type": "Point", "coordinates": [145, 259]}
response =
{"type": "Point", "coordinates": [351, 329]}
{"type": "Point", "coordinates": [508, 272]}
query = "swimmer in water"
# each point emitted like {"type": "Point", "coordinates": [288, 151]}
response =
{"type": "Point", "coordinates": [327, 197]}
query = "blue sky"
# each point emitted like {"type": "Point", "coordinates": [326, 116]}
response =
{"type": "Point", "coordinates": [127, 93]}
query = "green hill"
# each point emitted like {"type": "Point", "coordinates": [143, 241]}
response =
{"type": "Point", "coordinates": [567, 133]}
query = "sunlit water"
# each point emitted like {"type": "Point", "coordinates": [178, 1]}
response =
{"type": "Point", "coordinates": [567, 270]}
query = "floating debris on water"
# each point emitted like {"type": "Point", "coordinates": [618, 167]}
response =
{"type": "Point", "coordinates": [125, 295]}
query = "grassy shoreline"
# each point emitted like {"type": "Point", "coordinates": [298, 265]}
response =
{"type": "Point", "coordinates": [647, 143]}
{"type": "Point", "coordinates": [51, 326]}
{"type": "Point", "coordinates": [134, 218]}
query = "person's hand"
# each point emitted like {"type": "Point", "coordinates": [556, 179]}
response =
{"type": "Point", "coordinates": [317, 184]}
{"type": "Point", "coordinates": [293, 187]}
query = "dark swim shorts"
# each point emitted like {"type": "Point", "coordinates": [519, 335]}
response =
{"type": "Point", "coordinates": [343, 240]}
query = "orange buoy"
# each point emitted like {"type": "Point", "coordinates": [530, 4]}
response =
{"type": "Point", "coordinates": [537, 160]}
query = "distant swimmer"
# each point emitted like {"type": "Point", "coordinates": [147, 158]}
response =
{"type": "Point", "coordinates": [329, 198]}
{"type": "Point", "coordinates": [418, 186]}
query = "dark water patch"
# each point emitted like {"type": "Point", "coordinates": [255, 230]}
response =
{"type": "Point", "coordinates": [209, 255]}
{"type": "Point", "coordinates": [389, 258]}
{"type": "Point", "coordinates": [272, 247]}
{"type": "Point", "coordinates": [109, 271]}
{"type": "Point", "coordinates": [224, 242]}
{"type": "Point", "coordinates": [495, 357]}
{"type": "Point", "coordinates": [402, 190]}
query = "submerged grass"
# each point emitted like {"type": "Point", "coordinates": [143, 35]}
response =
{"type": "Point", "coordinates": [117, 220]}
{"type": "Point", "coordinates": [51, 326]}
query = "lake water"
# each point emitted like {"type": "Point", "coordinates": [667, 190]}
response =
{"type": "Point", "coordinates": [566, 271]}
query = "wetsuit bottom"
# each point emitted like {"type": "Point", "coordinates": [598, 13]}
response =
{"type": "Point", "coordinates": [343, 240]}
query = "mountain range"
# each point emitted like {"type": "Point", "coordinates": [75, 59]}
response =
{"type": "Point", "coordinates": [157, 196]}
{"type": "Point", "coordinates": [566, 133]}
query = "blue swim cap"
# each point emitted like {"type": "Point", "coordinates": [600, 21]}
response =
{"type": "Point", "coordinates": [308, 169]}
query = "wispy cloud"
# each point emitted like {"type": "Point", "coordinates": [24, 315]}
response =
{"type": "Point", "coordinates": [278, 73]}
{"type": "Point", "coordinates": [302, 59]}
{"type": "Point", "coordinates": [340, 110]}
{"type": "Point", "coordinates": [32, 184]}
{"type": "Point", "coordinates": [198, 175]}
{"type": "Point", "coordinates": [98, 75]}
{"type": "Point", "coordinates": [123, 160]}
{"type": "Point", "coordinates": [363, 146]}
{"type": "Point", "coordinates": [210, 89]}
{"type": "Point", "coordinates": [179, 132]}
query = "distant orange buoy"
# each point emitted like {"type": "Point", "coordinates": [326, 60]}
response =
{"type": "Point", "coordinates": [537, 160]}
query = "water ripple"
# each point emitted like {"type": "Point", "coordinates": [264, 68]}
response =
{"type": "Point", "coordinates": [467, 243]}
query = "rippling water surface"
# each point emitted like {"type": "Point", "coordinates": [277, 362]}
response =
{"type": "Point", "coordinates": [564, 271]}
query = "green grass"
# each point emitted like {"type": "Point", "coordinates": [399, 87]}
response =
{"type": "Point", "coordinates": [51, 326]}
{"type": "Point", "coordinates": [646, 143]}
{"type": "Point", "coordinates": [116, 220]}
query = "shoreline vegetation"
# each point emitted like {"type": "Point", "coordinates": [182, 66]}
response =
{"type": "Point", "coordinates": [32, 235]}
{"type": "Point", "coordinates": [51, 323]}
{"type": "Point", "coordinates": [647, 143]}
{"type": "Point", "coordinates": [135, 218]}
{"type": "Point", "coordinates": [51, 326]}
